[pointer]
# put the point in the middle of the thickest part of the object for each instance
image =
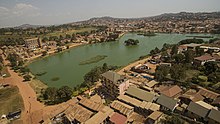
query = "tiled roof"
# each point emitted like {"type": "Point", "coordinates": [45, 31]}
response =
{"type": "Point", "coordinates": [117, 118]}
{"type": "Point", "coordinates": [208, 94]}
{"type": "Point", "coordinates": [171, 91]}
{"type": "Point", "coordinates": [204, 57]}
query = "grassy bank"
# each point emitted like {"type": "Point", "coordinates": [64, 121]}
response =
{"type": "Point", "coordinates": [10, 100]}
{"type": "Point", "coordinates": [37, 86]}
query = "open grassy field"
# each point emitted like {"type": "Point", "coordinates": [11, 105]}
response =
{"type": "Point", "coordinates": [55, 33]}
{"type": "Point", "coordinates": [10, 100]}
{"type": "Point", "coordinates": [70, 32]}
{"type": "Point", "coordinates": [37, 85]}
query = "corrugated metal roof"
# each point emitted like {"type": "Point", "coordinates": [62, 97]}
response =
{"type": "Point", "coordinates": [140, 94]}
{"type": "Point", "coordinates": [167, 102]}
{"type": "Point", "coordinates": [214, 115]}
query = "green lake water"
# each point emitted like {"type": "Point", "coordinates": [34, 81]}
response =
{"type": "Point", "coordinates": [64, 69]}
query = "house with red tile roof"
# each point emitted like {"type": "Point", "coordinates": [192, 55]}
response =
{"type": "Point", "coordinates": [201, 60]}
{"type": "Point", "coordinates": [171, 91]}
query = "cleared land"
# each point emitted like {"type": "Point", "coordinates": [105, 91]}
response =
{"type": "Point", "coordinates": [10, 100]}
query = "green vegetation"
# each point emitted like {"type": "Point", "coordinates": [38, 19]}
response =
{"type": "Point", "coordinates": [130, 42]}
{"type": "Point", "coordinates": [41, 73]}
{"type": "Point", "coordinates": [37, 86]}
{"type": "Point", "coordinates": [91, 78]}
{"type": "Point", "coordinates": [53, 95]}
{"type": "Point", "coordinates": [149, 34]}
{"type": "Point", "coordinates": [172, 120]}
{"type": "Point", "coordinates": [200, 36]}
{"type": "Point", "coordinates": [194, 40]}
{"type": "Point", "coordinates": [55, 79]}
{"type": "Point", "coordinates": [93, 60]}
{"type": "Point", "coordinates": [11, 36]}
{"type": "Point", "coordinates": [10, 100]}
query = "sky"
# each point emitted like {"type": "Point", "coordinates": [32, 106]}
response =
{"type": "Point", "coordinates": [50, 12]}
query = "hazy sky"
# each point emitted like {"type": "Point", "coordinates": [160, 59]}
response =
{"type": "Point", "coordinates": [48, 12]}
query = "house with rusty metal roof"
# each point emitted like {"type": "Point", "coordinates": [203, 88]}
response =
{"type": "Point", "coordinates": [208, 94]}
{"type": "Point", "coordinates": [122, 108]}
{"type": "Point", "coordinates": [100, 117]}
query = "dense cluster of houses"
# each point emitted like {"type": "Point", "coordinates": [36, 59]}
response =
{"type": "Point", "coordinates": [153, 100]}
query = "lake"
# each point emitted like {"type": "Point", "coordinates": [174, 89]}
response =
{"type": "Point", "coordinates": [65, 69]}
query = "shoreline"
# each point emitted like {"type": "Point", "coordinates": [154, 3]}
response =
{"type": "Point", "coordinates": [51, 53]}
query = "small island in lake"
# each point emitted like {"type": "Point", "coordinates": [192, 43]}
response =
{"type": "Point", "coordinates": [93, 60]}
{"type": "Point", "coordinates": [55, 79]}
{"type": "Point", "coordinates": [131, 42]}
{"type": "Point", "coordinates": [149, 34]}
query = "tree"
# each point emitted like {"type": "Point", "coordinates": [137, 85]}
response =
{"type": "Point", "coordinates": [172, 120]}
{"type": "Point", "coordinates": [131, 42]}
{"type": "Point", "coordinates": [211, 67]}
{"type": "Point", "coordinates": [154, 51]}
{"type": "Point", "coordinates": [199, 51]}
{"type": "Point", "coordinates": [174, 50]}
{"type": "Point", "coordinates": [27, 77]}
{"type": "Point", "coordinates": [161, 72]}
{"type": "Point", "coordinates": [64, 93]}
{"type": "Point", "coordinates": [93, 76]}
{"type": "Point", "coordinates": [50, 93]}
{"type": "Point", "coordinates": [104, 67]}
{"type": "Point", "coordinates": [44, 53]}
{"type": "Point", "coordinates": [179, 58]}
{"type": "Point", "coordinates": [177, 72]}
{"type": "Point", "coordinates": [214, 77]}
{"type": "Point", "coordinates": [68, 36]}
{"type": "Point", "coordinates": [165, 47]}
{"type": "Point", "coordinates": [189, 56]}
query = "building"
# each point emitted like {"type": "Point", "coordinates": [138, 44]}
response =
{"type": "Point", "coordinates": [214, 117]}
{"type": "Point", "coordinates": [101, 117]}
{"type": "Point", "coordinates": [167, 103]}
{"type": "Point", "coordinates": [199, 110]}
{"type": "Point", "coordinates": [216, 102]}
{"type": "Point", "coordinates": [208, 94]}
{"type": "Point", "coordinates": [117, 118]}
{"type": "Point", "coordinates": [151, 84]}
{"type": "Point", "coordinates": [33, 43]}
{"type": "Point", "coordinates": [91, 105]}
{"type": "Point", "coordinates": [168, 89]}
{"type": "Point", "coordinates": [140, 94]}
{"type": "Point", "coordinates": [190, 95]}
{"type": "Point", "coordinates": [114, 84]}
{"type": "Point", "coordinates": [171, 91]}
{"type": "Point", "coordinates": [201, 60]}
{"type": "Point", "coordinates": [154, 118]}
{"type": "Point", "coordinates": [77, 114]}
{"type": "Point", "coordinates": [122, 108]}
